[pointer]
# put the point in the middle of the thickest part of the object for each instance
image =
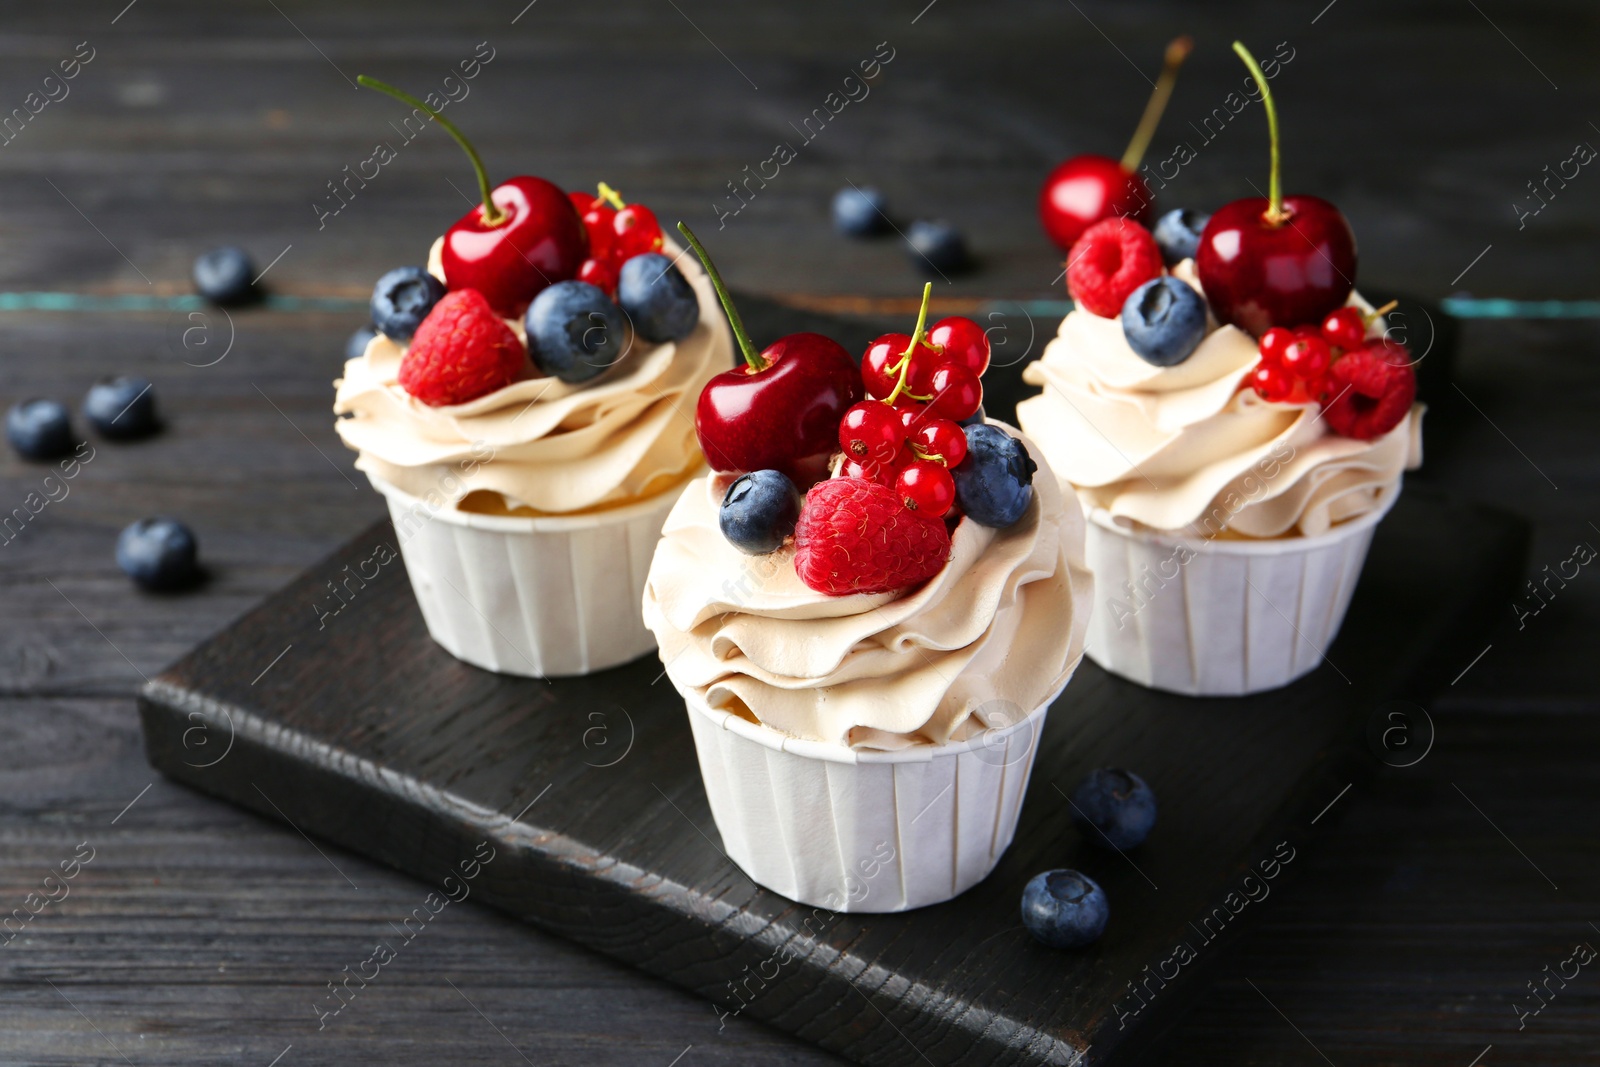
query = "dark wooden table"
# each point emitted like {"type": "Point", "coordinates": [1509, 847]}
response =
{"type": "Point", "coordinates": [200, 934]}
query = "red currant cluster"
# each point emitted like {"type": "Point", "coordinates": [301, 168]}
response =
{"type": "Point", "coordinates": [909, 436]}
{"type": "Point", "coordinates": [617, 232]}
{"type": "Point", "coordinates": [1295, 363]}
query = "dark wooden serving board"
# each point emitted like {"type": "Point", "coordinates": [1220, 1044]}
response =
{"type": "Point", "coordinates": [359, 730]}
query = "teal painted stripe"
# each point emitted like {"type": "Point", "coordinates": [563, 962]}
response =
{"type": "Point", "coordinates": [142, 302]}
{"type": "Point", "coordinates": [1460, 307]}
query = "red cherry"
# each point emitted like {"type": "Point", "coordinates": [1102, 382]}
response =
{"type": "Point", "coordinates": [957, 392]}
{"type": "Point", "coordinates": [1345, 328]}
{"type": "Point", "coordinates": [1306, 358]}
{"type": "Point", "coordinates": [926, 488]}
{"type": "Point", "coordinates": [596, 215]}
{"type": "Point", "coordinates": [1271, 382]}
{"type": "Point", "coordinates": [943, 438]}
{"type": "Point", "coordinates": [637, 232]}
{"type": "Point", "coordinates": [1273, 342]}
{"type": "Point", "coordinates": [1085, 190]}
{"type": "Point", "coordinates": [599, 273]}
{"type": "Point", "coordinates": [871, 434]}
{"type": "Point", "coordinates": [962, 341]}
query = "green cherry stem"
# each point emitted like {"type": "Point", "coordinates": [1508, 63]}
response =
{"type": "Point", "coordinates": [1275, 215]}
{"type": "Point", "coordinates": [752, 357]}
{"type": "Point", "coordinates": [1177, 51]}
{"type": "Point", "coordinates": [904, 366]}
{"type": "Point", "coordinates": [492, 215]}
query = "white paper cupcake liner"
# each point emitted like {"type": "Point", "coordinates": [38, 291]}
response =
{"type": "Point", "coordinates": [545, 596]}
{"type": "Point", "coordinates": [1220, 617]}
{"type": "Point", "coordinates": [863, 831]}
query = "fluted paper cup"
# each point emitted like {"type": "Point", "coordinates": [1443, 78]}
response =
{"type": "Point", "coordinates": [1208, 617]}
{"type": "Point", "coordinates": [863, 831]}
{"type": "Point", "coordinates": [537, 596]}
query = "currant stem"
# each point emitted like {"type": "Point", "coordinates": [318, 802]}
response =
{"type": "Point", "coordinates": [747, 347]}
{"type": "Point", "coordinates": [1177, 51]}
{"type": "Point", "coordinates": [916, 338]}
{"type": "Point", "coordinates": [1275, 214]}
{"type": "Point", "coordinates": [611, 196]}
{"type": "Point", "coordinates": [1376, 313]}
{"type": "Point", "coordinates": [492, 215]}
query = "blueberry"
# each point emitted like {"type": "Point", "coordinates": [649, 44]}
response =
{"type": "Point", "coordinates": [658, 298]}
{"type": "Point", "coordinates": [1064, 909]}
{"type": "Point", "coordinates": [860, 212]}
{"type": "Point", "coordinates": [976, 418]}
{"type": "Point", "coordinates": [1178, 234]}
{"type": "Point", "coordinates": [159, 554]}
{"type": "Point", "coordinates": [39, 429]}
{"type": "Point", "coordinates": [356, 346]}
{"type": "Point", "coordinates": [121, 408]}
{"type": "Point", "coordinates": [759, 511]}
{"type": "Point", "coordinates": [1164, 321]}
{"type": "Point", "coordinates": [575, 331]}
{"type": "Point", "coordinates": [937, 247]}
{"type": "Point", "coordinates": [1113, 807]}
{"type": "Point", "coordinates": [402, 299]}
{"type": "Point", "coordinates": [223, 275]}
{"type": "Point", "coordinates": [995, 482]}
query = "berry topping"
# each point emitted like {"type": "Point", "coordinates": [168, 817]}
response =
{"type": "Point", "coordinates": [956, 391]}
{"type": "Point", "coordinates": [462, 351]}
{"type": "Point", "coordinates": [634, 228]}
{"type": "Point", "coordinates": [159, 554]}
{"type": "Point", "coordinates": [1273, 342]}
{"type": "Point", "coordinates": [960, 340]}
{"type": "Point", "coordinates": [224, 276]}
{"type": "Point", "coordinates": [1306, 358]}
{"type": "Point", "coordinates": [855, 536]}
{"type": "Point", "coordinates": [596, 215]}
{"type": "Point", "coordinates": [574, 331]}
{"type": "Point", "coordinates": [936, 247]}
{"type": "Point", "coordinates": [1064, 909]}
{"type": "Point", "coordinates": [1370, 390]}
{"type": "Point", "coordinates": [759, 511]}
{"type": "Point", "coordinates": [402, 299]}
{"type": "Point", "coordinates": [1113, 808]}
{"type": "Point", "coordinates": [871, 434]}
{"type": "Point", "coordinates": [880, 366]}
{"type": "Point", "coordinates": [926, 488]}
{"type": "Point", "coordinates": [121, 408]}
{"type": "Point", "coordinates": [1110, 261]}
{"type": "Point", "coordinates": [1177, 234]}
{"type": "Point", "coordinates": [994, 484]}
{"type": "Point", "coordinates": [1271, 382]}
{"type": "Point", "coordinates": [942, 440]}
{"type": "Point", "coordinates": [1345, 328]}
{"type": "Point", "coordinates": [598, 273]}
{"type": "Point", "coordinates": [39, 429]}
{"type": "Point", "coordinates": [658, 298]}
{"type": "Point", "coordinates": [1164, 321]}
{"type": "Point", "coordinates": [860, 212]}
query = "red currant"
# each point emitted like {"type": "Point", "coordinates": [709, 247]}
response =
{"type": "Point", "coordinates": [962, 341]}
{"type": "Point", "coordinates": [637, 232]}
{"type": "Point", "coordinates": [957, 392]}
{"type": "Point", "coordinates": [1271, 382]}
{"type": "Point", "coordinates": [926, 488]}
{"type": "Point", "coordinates": [1306, 329]}
{"type": "Point", "coordinates": [880, 366]}
{"type": "Point", "coordinates": [883, 475]}
{"type": "Point", "coordinates": [599, 273]}
{"type": "Point", "coordinates": [1306, 358]}
{"type": "Point", "coordinates": [871, 434]}
{"type": "Point", "coordinates": [913, 413]}
{"type": "Point", "coordinates": [942, 438]}
{"type": "Point", "coordinates": [1273, 342]}
{"type": "Point", "coordinates": [597, 216]}
{"type": "Point", "coordinates": [1345, 328]}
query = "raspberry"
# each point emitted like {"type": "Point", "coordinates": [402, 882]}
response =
{"type": "Point", "coordinates": [1112, 259]}
{"type": "Point", "coordinates": [462, 351]}
{"type": "Point", "coordinates": [854, 536]}
{"type": "Point", "coordinates": [1370, 389]}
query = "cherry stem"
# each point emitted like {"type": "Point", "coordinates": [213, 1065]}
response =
{"type": "Point", "coordinates": [1275, 215]}
{"type": "Point", "coordinates": [752, 358]}
{"type": "Point", "coordinates": [611, 196]}
{"type": "Point", "coordinates": [904, 366]}
{"type": "Point", "coordinates": [1177, 51]}
{"type": "Point", "coordinates": [492, 215]}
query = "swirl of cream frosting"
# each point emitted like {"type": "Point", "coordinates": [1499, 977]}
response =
{"type": "Point", "coordinates": [1185, 449]}
{"type": "Point", "coordinates": [984, 642]}
{"type": "Point", "coordinates": [551, 447]}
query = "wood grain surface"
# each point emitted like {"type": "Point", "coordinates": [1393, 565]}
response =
{"type": "Point", "coordinates": [200, 934]}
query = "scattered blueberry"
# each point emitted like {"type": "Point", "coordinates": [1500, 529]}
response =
{"type": "Point", "coordinates": [1113, 806]}
{"type": "Point", "coordinates": [402, 299]}
{"type": "Point", "coordinates": [121, 408]}
{"type": "Point", "coordinates": [860, 212]}
{"type": "Point", "coordinates": [658, 298]}
{"type": "Point", "coordinates": [976, 418]}
{"type": "Point", "coordinates": [1164, 321]}
{"type": "Point", "coordinates": [356, 346]}
{"type": "Point", "coordinates": [1178, 234]}
{"type": "Point", "coordinates": [1064, 909]}
{"type": "Point", "coordinates": [39, 429]}
{"type": "Point", "coordinates": [995, 482]}
{"type": "Point", "coordinates": [759, 511]}
{"type": "Point", "coordinates": [575, 331]}
{"type": "Point", "coordinates": [159, 554]}
{"type": "Point", "coordinates": [937, 247]}
{"type": "Point", "coordinates": [223, 275]}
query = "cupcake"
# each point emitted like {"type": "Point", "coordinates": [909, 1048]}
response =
{"type": "Point", "coordinates": [524, 409]}
{"type": "Point", "coordinates": [867, 668]}
{"type": "Point", "coordinates": [1235, 422]}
